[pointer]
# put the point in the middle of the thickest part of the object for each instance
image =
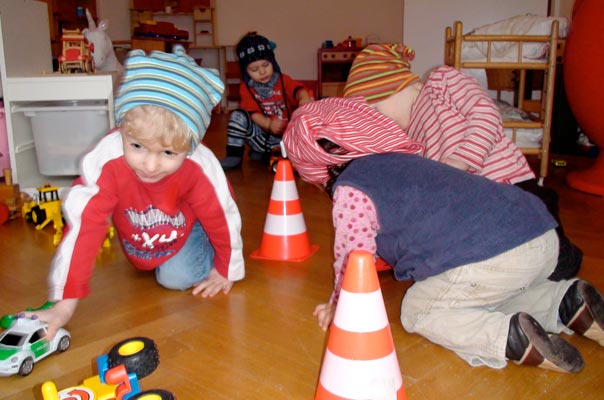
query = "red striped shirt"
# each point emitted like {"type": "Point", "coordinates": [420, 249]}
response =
{"type": "Point", "coordinates": [454, 117]}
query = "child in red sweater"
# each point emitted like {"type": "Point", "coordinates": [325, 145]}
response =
{"type": "Point", "coordinates": [268, 97]}
{"type": "Point", "coordinates": [162, 189]}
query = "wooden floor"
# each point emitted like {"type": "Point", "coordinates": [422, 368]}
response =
{"type": "Point", "coordinates": [261, 342]}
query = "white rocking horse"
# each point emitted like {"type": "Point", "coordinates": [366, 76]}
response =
{"type": "Point", "coordinates": [104, 54]}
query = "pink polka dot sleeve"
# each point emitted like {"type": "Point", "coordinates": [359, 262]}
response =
{"type": "Point", "coordinates": [356, 225]}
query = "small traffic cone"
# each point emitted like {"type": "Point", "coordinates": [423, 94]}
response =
{"type": "Point", "coordinates": [285, 237]}
{"type": "Point", "coordinates": [382, 265]}
{"type": "Point", "coordinates": [360, 360]}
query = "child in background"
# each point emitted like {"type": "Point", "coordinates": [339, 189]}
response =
{"type": "Point", "coordinates": [479, 251]}
{"type": "Point", "coordinates": [268, 97]}
{"type": "Point", "coordinates": [457, 122]}
{"type": "Point", "coordinates": [165, 193]}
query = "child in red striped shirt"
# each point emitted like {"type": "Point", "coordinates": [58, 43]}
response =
{"type": "Point", "coordinates": [457, 122]}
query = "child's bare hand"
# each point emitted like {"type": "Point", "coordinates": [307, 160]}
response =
{"type": "Point", "coordinates": [212, 285]}
{"type": "Point", "coordinates": [457, 164]}
{"type": "Point", "coordinates": [277, 126]}
{"type": "Point", "coordinates": [324, 314]}
{"type": "Point", "coordinates": [56, 317]}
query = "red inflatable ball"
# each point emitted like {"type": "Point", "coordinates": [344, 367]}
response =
{"type": "Point", "coordinates": [584, 85]}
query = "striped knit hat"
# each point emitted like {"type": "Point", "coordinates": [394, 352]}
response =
{"type": "Point", "coordinates": [352, 124]}
{"type": "Point", "coordinates": [379, 71]}
{"type": "Point", "coordinates": [172, 81]}
{"type": "Point", "coordinates": [254, 47]}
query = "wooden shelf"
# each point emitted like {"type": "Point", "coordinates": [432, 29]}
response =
{"type": "Point", "coordinates": [333, 67]}
{"type": "Point", "coordinates": [63, 14]}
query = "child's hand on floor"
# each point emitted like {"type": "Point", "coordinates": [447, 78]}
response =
{"type": "Point", "coordinates": [213, 284]}
{"type": "Point", "coordinates": [324, 314]}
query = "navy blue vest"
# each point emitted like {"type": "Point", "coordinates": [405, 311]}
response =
{"type": "Point", "coordinates": [434, 217]}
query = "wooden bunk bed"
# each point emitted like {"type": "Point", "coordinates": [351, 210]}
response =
{"type": "Point", "coordinates": [509, 73]}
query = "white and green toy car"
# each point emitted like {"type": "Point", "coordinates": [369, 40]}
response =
{"type": "Point", "coordinates": [24, 343]}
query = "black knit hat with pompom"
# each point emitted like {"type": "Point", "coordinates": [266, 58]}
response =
{"type": "Point", "coordinates": [253, 47]}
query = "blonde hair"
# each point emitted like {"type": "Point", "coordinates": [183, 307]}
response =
{"type": "Point", "coordinates": [152, 123]}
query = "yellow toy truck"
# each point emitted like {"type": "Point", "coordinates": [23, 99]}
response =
{"type": "Point", "coordinates": [44, 210]}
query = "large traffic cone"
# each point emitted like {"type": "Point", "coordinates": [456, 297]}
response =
{"type": "Point", "coordinates": [360, 360]}
{"type": "Point", "coordinates": [285, 237]}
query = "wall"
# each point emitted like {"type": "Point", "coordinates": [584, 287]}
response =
{"type": "Point", "coordinates": [118, 14]}
{"type": "Point", "coordinates": [298, 27]}
{"type": "Point", "coordinates": [562, 8]}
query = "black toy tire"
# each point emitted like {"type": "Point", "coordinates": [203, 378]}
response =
{"type": "Point", "coordinates": [139, 355]}
{"type": "Point", "coordinates": [38, 215]}
{"type": "Point", "coordinates": [154, 394]}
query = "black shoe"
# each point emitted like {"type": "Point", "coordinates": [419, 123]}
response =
{"type": "Point", "coordinates": [230, 162]}
{"type": "Point", "coordinates": [529, 344]}
{"type": "Point", "coordinates": [582, 311]}
{"type": "Point", "coordinates": [262, 156]}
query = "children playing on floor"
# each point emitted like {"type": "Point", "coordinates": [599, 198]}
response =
{"type": "Point", "coordinates": [163, 190]}
{"type": "Point", "coordinates": [268, 97]}
{"type": "Point", "coordinates": [457, 122]}
{"type": "Point", "coordinates": [480, 252]}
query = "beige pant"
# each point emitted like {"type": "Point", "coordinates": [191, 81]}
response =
{"type": "Point", "coordinates": [468, 309]}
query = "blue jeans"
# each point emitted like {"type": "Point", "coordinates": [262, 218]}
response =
{"type": "Point", "coordinates": [190, 265]}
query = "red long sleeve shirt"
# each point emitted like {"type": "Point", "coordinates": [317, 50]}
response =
{"type": "Point", "coordinates": [152, 220]}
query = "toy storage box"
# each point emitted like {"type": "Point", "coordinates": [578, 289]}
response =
{"type": "Point", "coordinates": [64, 131]}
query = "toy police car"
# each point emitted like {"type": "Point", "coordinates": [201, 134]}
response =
{"type": "Point", "coordinates": [24, 343]}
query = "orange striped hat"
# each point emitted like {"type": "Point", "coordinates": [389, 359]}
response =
{"type": "Point", "coordinates": [379, 71]}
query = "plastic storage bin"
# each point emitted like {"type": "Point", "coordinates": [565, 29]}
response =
{"type": "Point", "coordinates": [64, 131]}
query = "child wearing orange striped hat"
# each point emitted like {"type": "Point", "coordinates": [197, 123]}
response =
{"type": "Point", "coordinates": [479, 252]}
{"type": "Point", "coordinates": [162, 189]}
{"type": "Point", "coordinates": [457, 122]}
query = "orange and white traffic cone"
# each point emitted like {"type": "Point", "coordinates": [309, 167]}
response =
{"type": "Point", "coordinates": [360, 360]}
{"type": "Point", "coordinates": [285, 237]}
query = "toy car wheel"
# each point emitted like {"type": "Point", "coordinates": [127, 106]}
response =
{"type": "Point", "coordinates": [64, 344]}
{"type": "Point", "coordinates": [38, 215]}
{"type": "Point", "coordinates": [26, 366]}
{"type": "Point", "coordinates": [139, 355]}
{"type": "Point", "coordinates": [156, 394]}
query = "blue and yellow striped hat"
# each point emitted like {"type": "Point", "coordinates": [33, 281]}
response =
{"type": "Point", "coordinates": [173, 81]}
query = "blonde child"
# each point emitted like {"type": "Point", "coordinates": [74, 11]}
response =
{"type": "Point", "coordinates": [164, 192]}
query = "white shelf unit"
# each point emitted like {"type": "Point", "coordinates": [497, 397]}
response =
{"type": "Point", "coordinates": [27, 78]}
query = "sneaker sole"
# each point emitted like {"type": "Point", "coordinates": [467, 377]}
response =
{"type": "Point", "coordinates": [593, 303]}
{"type": "Point", "coordinates": [549, 352]}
